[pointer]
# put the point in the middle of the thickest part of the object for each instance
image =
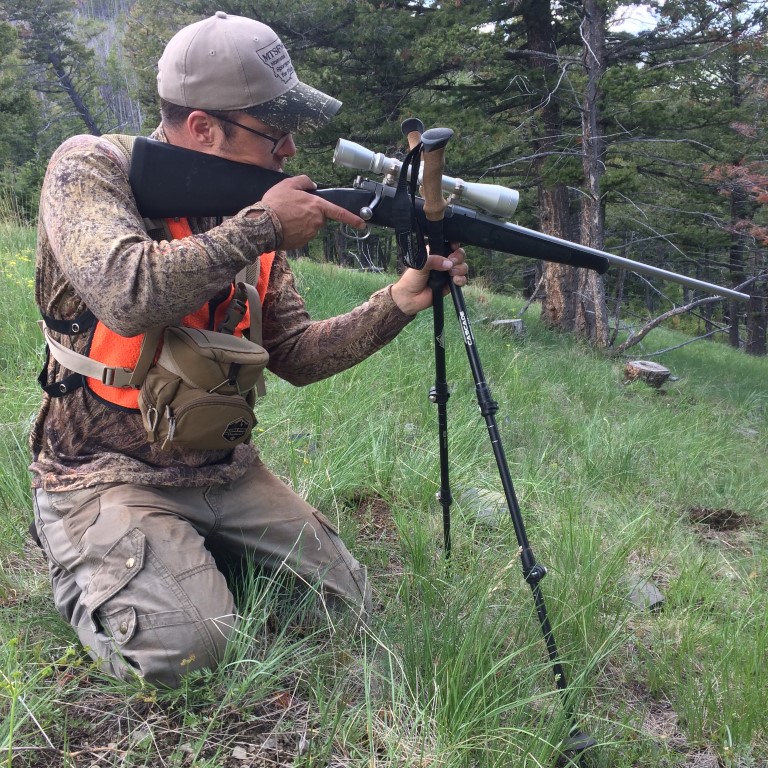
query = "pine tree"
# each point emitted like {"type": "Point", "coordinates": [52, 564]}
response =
{"type": "Point", "coordinates": [59, 64]}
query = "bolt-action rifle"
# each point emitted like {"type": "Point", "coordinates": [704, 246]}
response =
{"type": "Point", "coordinates": [170, 181]}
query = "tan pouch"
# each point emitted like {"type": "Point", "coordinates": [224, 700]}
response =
{"type": "Point", "coordinates": [201, 391]}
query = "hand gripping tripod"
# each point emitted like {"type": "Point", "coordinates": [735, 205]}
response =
{"type": "Point", "coordinates": [431, 145]}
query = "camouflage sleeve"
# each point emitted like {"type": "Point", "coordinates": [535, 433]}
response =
{"type": "Point", "coordinates": [303, 351]}
{"type": "Point", "coordinates": [98, 240]}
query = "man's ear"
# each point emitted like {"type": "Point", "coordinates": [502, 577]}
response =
{"type": "Point", "coordinates": [203, 131]}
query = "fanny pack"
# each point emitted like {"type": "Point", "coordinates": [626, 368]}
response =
{"type": "Point", "coordinates": [201, 390]}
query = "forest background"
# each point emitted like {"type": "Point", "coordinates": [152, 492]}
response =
{"type": "Point", "coordinates": [643, 138]}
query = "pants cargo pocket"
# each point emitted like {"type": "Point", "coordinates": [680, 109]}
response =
{"type": "Point", "coordinates": [121, 563]}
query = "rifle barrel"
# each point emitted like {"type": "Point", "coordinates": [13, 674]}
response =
{"type": "Point", "coordinates": [638, 266]}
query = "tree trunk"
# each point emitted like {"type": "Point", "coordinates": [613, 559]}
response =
{"type": "Point", "coordinates": [742, 210]}
{"type": "Point", "coordinates": [574, 300]}
{"type": "Point", "coordinates": [68, 86]}
{"type": "Point", "coordinates": [560, 283]}
{"type": "Point", "coordinates": [736, 252]}
{"type": "Point", "coordinates": [592, 314]}
{"type": "Point", "coordinates": [558, 307]}
{"type": "Point", "coordinates": [756, 320]}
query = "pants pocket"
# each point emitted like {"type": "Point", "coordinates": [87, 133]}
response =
{"type": "Point", "coordinates": [121, 625]}
{"type": "Point", "coordinates": [61, 520]}
{"type": "Point", "coordinates": [119, 565]}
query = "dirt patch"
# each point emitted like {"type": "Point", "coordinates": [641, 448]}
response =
{"type": "Point", "coordinates": [657, 721]}
{"type": "Point", "coordinates": [719, 519]}
{"type": "Point", "coordinates": [374, 518]}
{"type": "Point", "coordinates": [724, 528]}
{"type": "Point", "coordinates": [661, 723]}
{"type": "Point", "coordinates": [378, 541]}
{"type": "Point", "coordinates": [108, 731]}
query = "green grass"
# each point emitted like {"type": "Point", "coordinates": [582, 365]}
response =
{"type": "Point", "coordinates": [615, 481]}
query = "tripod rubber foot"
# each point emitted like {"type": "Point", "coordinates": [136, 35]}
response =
{"type": "Point", "coordinates": [576, 743]}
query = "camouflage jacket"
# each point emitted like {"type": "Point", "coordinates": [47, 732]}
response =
{"type": "Point", "coordinates": [93, 252]}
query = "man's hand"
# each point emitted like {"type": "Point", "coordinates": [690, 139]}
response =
{"type": "Point", "coordinates": [303, 215]}
{"type": "Point", "coordinates": [412, 293]}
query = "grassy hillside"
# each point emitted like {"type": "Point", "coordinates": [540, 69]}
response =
{"type": "Point", "coordinates": [628, 494]}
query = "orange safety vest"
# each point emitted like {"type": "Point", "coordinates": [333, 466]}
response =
{"type": "Point", "coordinates": [111, 349]}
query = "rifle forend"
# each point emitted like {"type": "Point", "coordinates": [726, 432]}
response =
{"type": "Point", "coordinates": [169, 181]}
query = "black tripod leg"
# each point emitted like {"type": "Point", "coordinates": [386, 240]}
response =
{"type": "Point", "coordinates": [532, 571]}
{"type": "Point", "coordinates": [439, 394]}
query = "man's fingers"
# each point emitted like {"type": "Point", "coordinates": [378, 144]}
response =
{"type": "Point", "coordinates": [300, 182]}
{"type": "Point", "coordinates": [314, 206]}
{"type": "Point", "coordinates": [343, 216]}
{"type": "Point", "coordinates": [444, 263]}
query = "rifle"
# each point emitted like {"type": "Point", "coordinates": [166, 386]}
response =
{"type": "Point", "coordinates": [169, 181]}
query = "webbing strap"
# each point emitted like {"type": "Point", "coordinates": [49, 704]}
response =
{"type": "Point", "coordinates": [255, 333]}
{"type": "Point", "coordinates": [83, 322]}
{"type": "Point", "coordinates": [410, 243]}
{"type": "Point", "coordinates": [109, 375]}
{"type": "Point", "coordinates": [236, 309]}
{"type": "Point", "coordinates": [254, 302]}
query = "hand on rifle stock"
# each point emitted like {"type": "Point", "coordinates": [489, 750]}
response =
{"type": "Point", "coordinates": [301, 214]}
{"type": "Point", "coordinates": [412, 292]}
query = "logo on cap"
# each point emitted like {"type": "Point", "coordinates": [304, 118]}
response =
{"type": "Point", "coordinates": [276, 58]}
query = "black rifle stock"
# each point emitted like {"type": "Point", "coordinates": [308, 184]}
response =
{"type": "Point", "coordinates": [169, 181]}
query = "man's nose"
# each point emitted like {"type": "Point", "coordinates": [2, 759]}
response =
{"type": "Point", "coordinates": [287, 148]}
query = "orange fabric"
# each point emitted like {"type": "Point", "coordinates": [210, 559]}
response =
{"type": "Point", "coordinates": [265, 267]}
{"type": "Point", "coordinates": [115, 351]}
{"type": "Point", "coordinates": [123, 352]}
{"type": "Point", "coordinates": [179, 228]}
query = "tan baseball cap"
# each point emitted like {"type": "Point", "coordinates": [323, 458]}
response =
{"type": "Point", "coordinates": [234, 63]}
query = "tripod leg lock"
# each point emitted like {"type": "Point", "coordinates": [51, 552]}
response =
{"type": "Point", "coordinates": [488, 406]}
{"type": "Point", "coordinates": [440, 395]}
{"type": "Point", "coordinates": [444, 497]}
{"type": "Point", "coordinates": [535, 574]}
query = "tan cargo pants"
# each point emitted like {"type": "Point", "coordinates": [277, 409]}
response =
{"type": "Point", "coordinates": [132, 567]}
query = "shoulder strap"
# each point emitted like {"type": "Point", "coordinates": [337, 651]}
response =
{"type": "Point", "coordinates": [250, 274]}
{"type": "Point", "coordinates": [246, 293]}
{"type": "Point", "coordinates": [123, 142]}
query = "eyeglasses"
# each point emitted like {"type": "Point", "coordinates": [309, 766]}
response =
{"type": "Point", "coordinates": [276, 143]}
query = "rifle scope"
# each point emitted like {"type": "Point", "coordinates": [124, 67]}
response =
{"type": "Point", "coordinates": [496, 200]}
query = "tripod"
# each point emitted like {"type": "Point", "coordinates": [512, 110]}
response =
{"type": "Point", "coordinates": [533, 572]}
{"type": "Point", "coordinates": [432, 143]}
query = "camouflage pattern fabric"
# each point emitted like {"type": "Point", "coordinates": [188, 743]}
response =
{"type": "Point", "coordinates": [94, 252]}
